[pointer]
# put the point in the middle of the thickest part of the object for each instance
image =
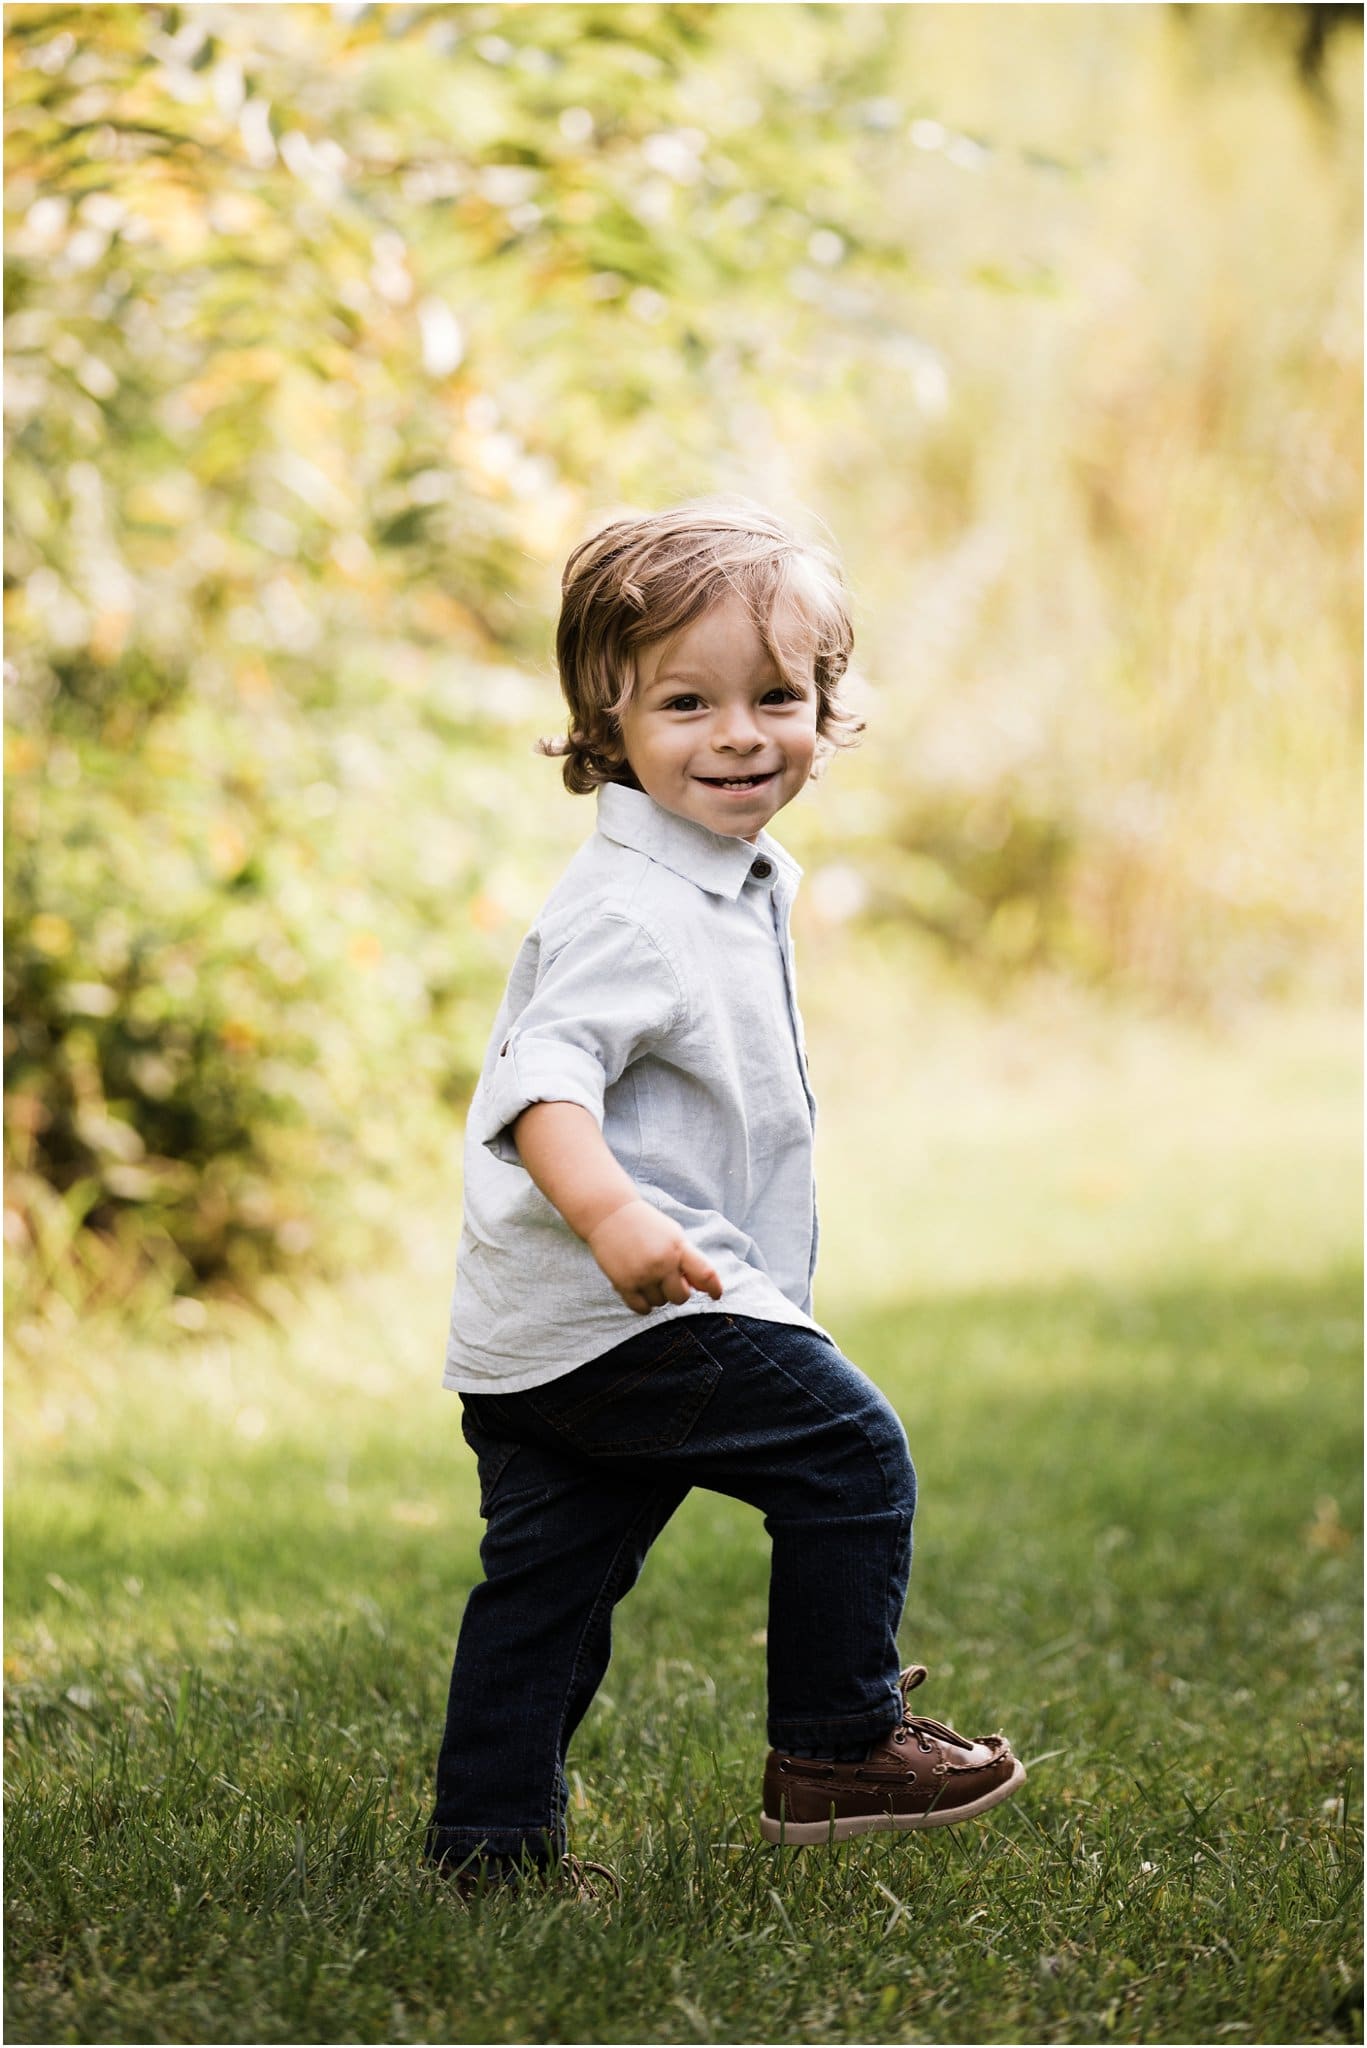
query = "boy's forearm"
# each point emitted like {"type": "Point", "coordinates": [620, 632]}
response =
{"type": "Point", "coordinates": [567, 1156]}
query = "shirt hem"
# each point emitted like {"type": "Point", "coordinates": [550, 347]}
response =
{"type": "Point", "coordinates": [459, 1379]}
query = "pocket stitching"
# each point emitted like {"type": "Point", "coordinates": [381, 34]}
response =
{"type": "Point", "coordinates": [572, 1424]}
{"type": "Point", "coordinates": [625, 1384]}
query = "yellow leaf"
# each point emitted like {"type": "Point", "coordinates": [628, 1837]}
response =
{"type": "Point", "coordinates": [237, 1035]}
{"type": "Point", "coordinates": [51, 934]}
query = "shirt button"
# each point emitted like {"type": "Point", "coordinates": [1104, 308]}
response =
{"type": "Point", "coordinates": [762, 870]}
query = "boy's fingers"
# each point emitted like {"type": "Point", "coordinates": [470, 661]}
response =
{"type": "Point", "coordinates": [696, 1270]}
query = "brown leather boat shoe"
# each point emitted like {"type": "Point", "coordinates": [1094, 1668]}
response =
{"type": "Point", "coordinates": [922, 1775]}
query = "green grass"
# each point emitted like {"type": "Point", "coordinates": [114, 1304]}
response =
{"type": "Point", "coordinates": [236, 1563]}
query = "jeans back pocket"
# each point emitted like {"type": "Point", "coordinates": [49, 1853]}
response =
{"type": "Point", "coordinates": [637, 1398]}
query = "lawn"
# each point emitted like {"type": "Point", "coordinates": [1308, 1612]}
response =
{"type": "Point", "coordinates": [1108, 1272]}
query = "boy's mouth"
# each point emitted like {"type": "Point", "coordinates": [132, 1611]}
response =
{"type": "Point", "coordinates": [738, 782]}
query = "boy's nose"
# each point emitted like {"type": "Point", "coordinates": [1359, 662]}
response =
{"type": "Point", "coordinates": [736, 735]}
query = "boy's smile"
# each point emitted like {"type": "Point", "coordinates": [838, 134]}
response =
{"type": "Point", "coordinates": [713, 732]}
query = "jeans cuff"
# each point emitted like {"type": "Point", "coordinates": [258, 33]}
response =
{"type": "Point", "coordinates": [821, 1736]}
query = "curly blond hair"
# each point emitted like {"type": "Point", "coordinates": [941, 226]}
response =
{"type": "Point", "coordinates": [643, 579]}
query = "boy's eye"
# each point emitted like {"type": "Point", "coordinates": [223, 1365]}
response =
{"type": "Point", "coordinates": [780, 691]}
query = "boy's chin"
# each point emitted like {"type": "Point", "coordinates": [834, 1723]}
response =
{"type": "Point", "coordinates": [735, 818]}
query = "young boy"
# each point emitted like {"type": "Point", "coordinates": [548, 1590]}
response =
{"type": "Point", "coordinates": [633, 1304]}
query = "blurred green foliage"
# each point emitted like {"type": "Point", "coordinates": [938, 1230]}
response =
{"type": "Point", "coordinates": [331, 329]}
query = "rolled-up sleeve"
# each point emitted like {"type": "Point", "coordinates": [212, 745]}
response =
{"type": "Point", "coordinates": [607, 996]}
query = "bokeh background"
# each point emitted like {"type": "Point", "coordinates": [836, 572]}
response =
{"type": "Point", "coordinates": [331, 330]}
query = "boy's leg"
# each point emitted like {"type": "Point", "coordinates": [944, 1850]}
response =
{"type": "Point", "coordinates": [774, 1415]}
{"type": "Point", "coordinates": [812, 1442]}
{"type": "Point", "coordinates": [838, 1503]}
{"type": "Point", "coordinates": [563, 1544]}
{"type": "Point", "coordinates": [771, 1413]}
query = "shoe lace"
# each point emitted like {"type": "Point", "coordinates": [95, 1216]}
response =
{"type": "Point", "coordinates": [921, 1725]}
{"type": "Point", "coordinates": [596, 1880]}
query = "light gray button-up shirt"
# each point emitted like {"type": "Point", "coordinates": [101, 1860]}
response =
{"type": "Point", "coordinates": [656, 988]}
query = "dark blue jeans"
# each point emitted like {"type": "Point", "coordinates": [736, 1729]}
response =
{"type": "Point", "coordinates": [578, 1477]}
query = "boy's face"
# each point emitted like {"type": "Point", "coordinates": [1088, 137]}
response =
{"type": "Point", "coordinates": [710, 706]}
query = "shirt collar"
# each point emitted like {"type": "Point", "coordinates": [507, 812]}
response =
{"type": "Point", "coordinates": [715, 861]}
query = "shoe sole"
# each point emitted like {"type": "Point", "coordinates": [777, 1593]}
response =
{"type": "Point", "coordinates": [798, 1834]}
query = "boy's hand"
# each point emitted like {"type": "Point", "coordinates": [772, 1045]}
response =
{"type": "Point", "coordinates": [648, 1259]}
